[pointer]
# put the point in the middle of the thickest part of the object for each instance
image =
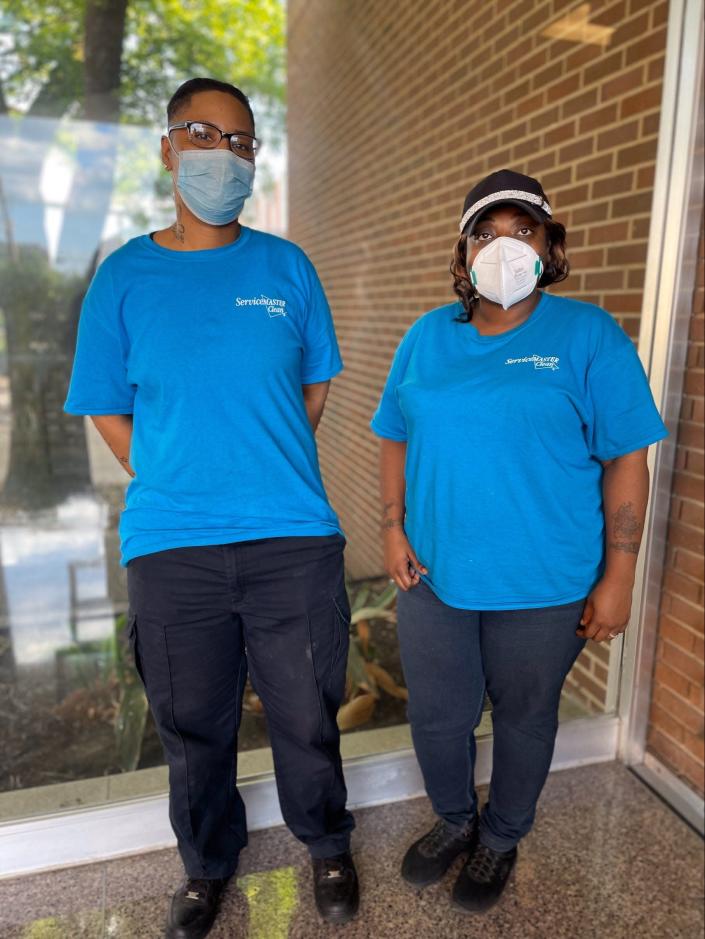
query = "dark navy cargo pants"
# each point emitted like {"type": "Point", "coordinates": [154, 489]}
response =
{"type": "Point", "coordinates": [200, 617]}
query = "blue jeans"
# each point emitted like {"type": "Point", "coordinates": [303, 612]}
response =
{"type": "Point", "coordinates": [450, 657]}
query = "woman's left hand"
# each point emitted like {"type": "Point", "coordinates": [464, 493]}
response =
{"type": "Point", "coordinates": [607, 611]}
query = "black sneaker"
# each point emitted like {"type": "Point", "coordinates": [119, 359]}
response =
{"type": "Point", "coordinates": [429, 858]}
{"type": "Point", "coordinates": [193, 908]}
{"type": "Point", "coordinates": [335, 887]}
{"type": "Point", "coordinates": [483, 878]}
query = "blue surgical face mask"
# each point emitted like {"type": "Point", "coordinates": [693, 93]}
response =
{"type": "Point", "coordinates": [214, 184]}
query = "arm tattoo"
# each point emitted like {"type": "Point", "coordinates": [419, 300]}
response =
{"type": "Point", "coordinates": [625, 527]}
{"type": "Point", "coordinates": [625, 521]}
{"type": "Point", "coordinates": [629, 547]}
{"type": "Point", "coordinates": [390, 522]}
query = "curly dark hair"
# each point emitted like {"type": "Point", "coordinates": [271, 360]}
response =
{"type": "Point", "coordinates": [557, 267]}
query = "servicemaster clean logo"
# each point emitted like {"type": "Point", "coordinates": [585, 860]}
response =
{"type": "Point", "coordinates": [274, 307]}
{"type": "Point", "coordinates": [539, 361]}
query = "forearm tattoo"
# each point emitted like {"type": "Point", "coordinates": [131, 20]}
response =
{"type": "Point", "coordinates": [625, 526]}
{"type": "Point", "coordinates": [388, 521]}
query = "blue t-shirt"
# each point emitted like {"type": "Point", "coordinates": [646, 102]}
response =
{"type": "Point", "coordinates": [504, 437]}
{"type": "Point", "coordinates": [209, 350]}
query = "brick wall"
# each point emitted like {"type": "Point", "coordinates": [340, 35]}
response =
{"type": "Point", "coordinates": [676, 723]}
{"type": "Point", "coordinates": [395, 110]}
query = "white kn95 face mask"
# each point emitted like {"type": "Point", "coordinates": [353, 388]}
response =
{"type": "Point", "coordinates": [506, 271]}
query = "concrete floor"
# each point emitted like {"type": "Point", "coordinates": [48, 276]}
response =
{"type": "Point", "coordinates": [606, 859]}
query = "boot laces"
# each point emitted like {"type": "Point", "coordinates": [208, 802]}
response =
{"type": "Point", "coordinates": [436, 840]}
{"type": "Point", "coordinates": [484, 864]}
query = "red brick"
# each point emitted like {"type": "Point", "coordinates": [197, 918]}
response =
{"type": "Point", "coordinates": [597, 120]}
{"type": "Point", "coordinates": [654, 71]}
{"type": "Point", "coordinates": [643, 100]}
{"type": "Point", "coordinates": [650, 45]}
{"type": "Point", "coordinates": [692, 513]}
{"type": "Point", "coordinates": [631, 205]}
{"type": "Point", "coordinates": [623, 302]}
{"type": "Point", "coordinates": [560, 133]}
{"type": "Point", "coordinates": [650, 124]}
{"type": "Point", "coordinates": [604, 280]}
{"type": "Point", "coordinates": [628, 29]}
{"type": "Point", "coordinates": [667, 724]}
{"type": "Point", "coordinates": [584, 54]}
{"type": "Point", "coordinates": [595, 166]}
{"type": "Point", "coordinates": [641, 227]}
{"type": "Point", "coordinates": [626, 254]}
{"type": "Point", "coordinates": [576, 195]}
{"type": "Point", "coordinates": [694, 383]}
{"type": "Point", "coordinates": [697, 329]}
{"type": "Point", "coordinates": [677, 758]}
{"type": "Point", "coordinates": [675, 632]}
{"type": "Point", "coordinates": [579, 103]}
{"type": "Point", "coordinates": [574, 151]}
{"type": "Point", "coordinates": [624, 133]}
{"type": "Point", "coordinates": [691, 435]}
{"type": "Point", "coordinates": [622, 182]}
{"type": "Point", "coordinates": [690, 614]}
{"type": "Point", "coordinates": [635, 278]}
{"type": "Point", "coordinates": [639, 153]}
{"type": "Point", "coordinates": [689, 563]}
{"type": "Point", "coordinates": [587, 258]}
{"type": "Point", "coordinates": [590, 212]}
{"type": "Point", "coordinates": [560, 177]}
{"type": "Point", "coordinates": [623, 83]}
{"type": "Point", "coordinates": [604, 67]}
{"type": "Point", "coordinates": [670, 678]}
{"type": "Point", "coordinates": [659, 14]}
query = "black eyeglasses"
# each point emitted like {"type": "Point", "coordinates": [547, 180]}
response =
{"type": "Point", "coordinates": [207, 136]}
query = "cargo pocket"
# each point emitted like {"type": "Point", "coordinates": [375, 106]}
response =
{"type": "Point", "coordinates": [132, 641]}
{"type": "Point", "coordinates": [341, 634]}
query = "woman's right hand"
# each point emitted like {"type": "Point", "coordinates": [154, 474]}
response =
{"type": "Point", "coordinates": [400, 559]}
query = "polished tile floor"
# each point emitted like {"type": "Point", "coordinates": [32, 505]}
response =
{"type": "Point", "coordinates": [606, 859]}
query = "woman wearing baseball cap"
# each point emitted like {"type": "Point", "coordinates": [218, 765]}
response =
{"type": "Point", "coordinates": [515, 426]}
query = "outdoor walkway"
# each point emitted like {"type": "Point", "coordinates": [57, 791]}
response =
{"type": "Point", "coordinates": [607, 859]}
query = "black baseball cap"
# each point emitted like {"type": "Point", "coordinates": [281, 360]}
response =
{"type": "Point", "coordinates": [502, 187]}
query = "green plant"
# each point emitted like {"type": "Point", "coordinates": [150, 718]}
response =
{"type": "Point", "coordinates": [131, 715]}
{"type": "Point", "coordinates": [366, 677]}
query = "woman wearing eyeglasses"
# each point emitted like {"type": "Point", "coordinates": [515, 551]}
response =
{"type": "Point", "coordinates": [515, 425]}
{"type": "Point", "coordinates": [204, 356]}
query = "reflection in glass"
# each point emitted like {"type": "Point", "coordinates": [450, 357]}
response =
{"type": "Point", "coordinates": [79, 175]}
{"type": "Point", "coordinates": [72, 191]}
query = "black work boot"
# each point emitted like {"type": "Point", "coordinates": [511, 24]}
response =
{"type": "Point", "coordinates": [193, 908]}
{"type": "Point", "coordinates": [483, 878]}
{"type": "Point", "coordinates": [429, 858]}
{"type": "Point", "coordinates": [335, 887]}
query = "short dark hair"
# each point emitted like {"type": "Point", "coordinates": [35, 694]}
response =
{"type": "Point", "coordinates": [557, 267]}
{"type": "Point", "coordinates": [183, 94]}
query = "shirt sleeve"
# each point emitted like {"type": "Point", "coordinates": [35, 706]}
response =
{"type": "Point", "coordinates": [321, 359]}
{"type": "Point", "coordinates": [388, 420]}
{"type": "Point", "coordinates": [624, 416]}
{"type": "Point", "coordinates": [99, 382]}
